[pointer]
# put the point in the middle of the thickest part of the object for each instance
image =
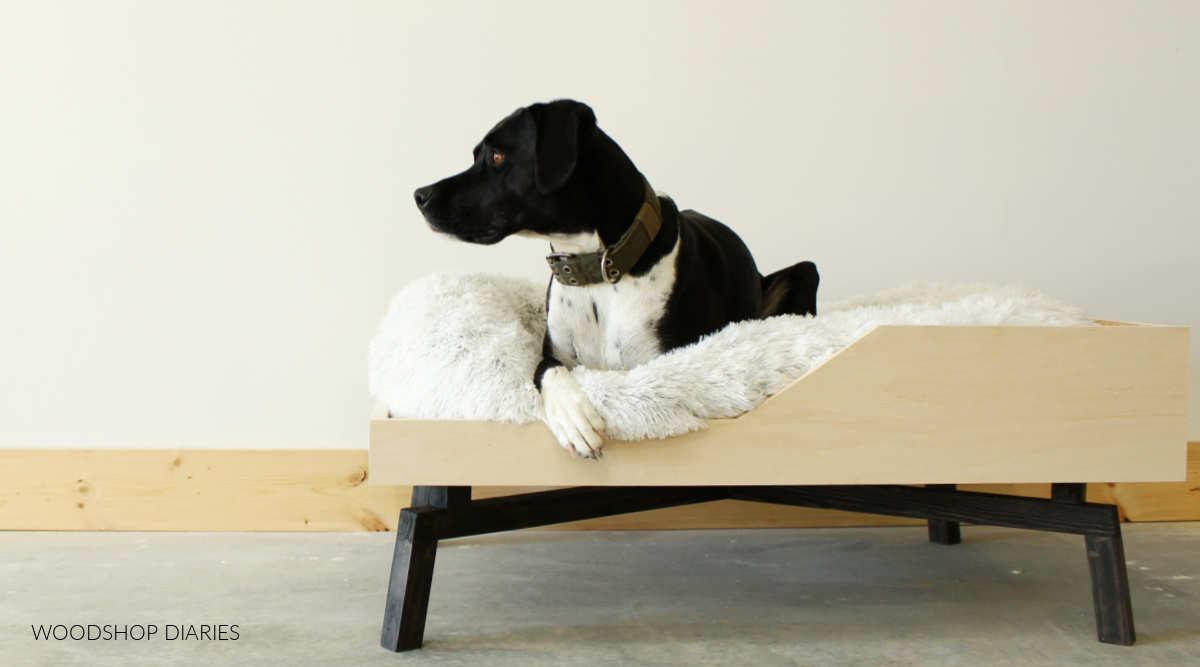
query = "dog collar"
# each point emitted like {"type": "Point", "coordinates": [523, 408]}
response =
{"type": "Point", "coordinates": [610, 264]}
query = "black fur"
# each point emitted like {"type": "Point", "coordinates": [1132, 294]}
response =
{"type": "Point", "coordinates": [560, 173]}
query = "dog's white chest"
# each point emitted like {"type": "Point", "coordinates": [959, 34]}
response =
{"type": "Point", "coordinates": [610, 327]}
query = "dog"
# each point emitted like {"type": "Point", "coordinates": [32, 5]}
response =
{"type": "Point", "coordinates": [633, 276]}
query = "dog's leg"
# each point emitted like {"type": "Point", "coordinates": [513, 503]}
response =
{"type": "Point", "coordinates": [568, 412]}
{"type": "Point", "coordinates": [791, 291]}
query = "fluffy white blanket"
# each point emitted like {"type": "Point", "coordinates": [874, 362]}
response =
{"type": "Point", "coordinates": [465, 345]}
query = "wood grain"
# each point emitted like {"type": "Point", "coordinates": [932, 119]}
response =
{"type": "Point", "coordinates": [280, 490]}
{"type": "Point", "coordinates": [902, 405]}
{"type": "Point", "coordinates": [191, 490]}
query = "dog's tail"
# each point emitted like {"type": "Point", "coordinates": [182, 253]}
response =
{"type": "Point", "coordinates": [791, 291]}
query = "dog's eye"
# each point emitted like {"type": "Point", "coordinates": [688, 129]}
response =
{"type": "Point", "coordinates": [497, 157]}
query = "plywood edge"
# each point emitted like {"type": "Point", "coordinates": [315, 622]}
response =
{"type": "Point", "coordinates": [1124, 323]}
{"type": "Point", "coordinates": [889, 343]}
{"type": "Point", "coordinates": [314, 491]}
{"type": "Point", "coordinates": [812, 371]}
{"type": "Point", "coordinates": [380, 411]}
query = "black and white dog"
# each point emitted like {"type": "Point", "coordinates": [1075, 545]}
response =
{"type": "Point", "coordinates": [633, 277]}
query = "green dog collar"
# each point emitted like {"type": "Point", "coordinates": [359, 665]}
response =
{"type": "Point", "coordinates": [612, 263]}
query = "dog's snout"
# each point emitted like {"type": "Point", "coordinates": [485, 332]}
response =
{"type": "Point", "coordinates": [423, 196]}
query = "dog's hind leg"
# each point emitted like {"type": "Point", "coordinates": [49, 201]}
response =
{"type": "Point", "coordinates": [791, 291]}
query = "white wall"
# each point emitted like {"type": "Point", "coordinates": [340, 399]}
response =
{"type": "Point", "coordinates": [205, 206]}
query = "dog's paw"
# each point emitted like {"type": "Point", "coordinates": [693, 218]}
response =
{"type": "Point", "coordinates": [571, 418]}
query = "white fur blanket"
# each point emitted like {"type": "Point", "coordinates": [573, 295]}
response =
{"type": "Point", "coordinates": [465, 345]}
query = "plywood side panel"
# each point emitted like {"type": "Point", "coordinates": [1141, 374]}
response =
{"type": "Point", "coordinates": [902, 405]}
{"type": "Point", "coordinates": [325, 491]}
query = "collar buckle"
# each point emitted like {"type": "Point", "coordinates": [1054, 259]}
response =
{"type": "Point", "coordinates": [611, 274]}
{"type": "Point", "coordinates": [615, 260]}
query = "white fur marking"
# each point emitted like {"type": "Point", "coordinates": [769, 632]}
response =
{"type": "Point", "coordinates": [575, 243]}
{"type": "Point", "coordinates": [611, 327]}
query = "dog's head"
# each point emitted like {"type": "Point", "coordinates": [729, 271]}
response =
{"type": "Point", "coordinates": [521, 180]}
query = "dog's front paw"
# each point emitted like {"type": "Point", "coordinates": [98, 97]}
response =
{"type": "Point", "coordinates": [570, 416]}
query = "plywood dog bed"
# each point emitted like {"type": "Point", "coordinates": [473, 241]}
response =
{"type": "Point", "coordinates": [903, 405]}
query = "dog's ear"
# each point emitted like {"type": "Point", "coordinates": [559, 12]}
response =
{"type": "Point", "coordinates": [560, 126]}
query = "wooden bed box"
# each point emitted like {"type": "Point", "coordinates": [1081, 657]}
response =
{"type": "Point", "coordinates": [901, 405]}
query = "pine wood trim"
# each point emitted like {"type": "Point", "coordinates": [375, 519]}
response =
{"type": "Point", "coordinates": [304, 490]}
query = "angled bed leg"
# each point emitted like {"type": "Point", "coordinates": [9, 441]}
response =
{"type": "Point", "coordinates": [1110, 589]}
{"type": "Point", "coordinates": [1066, 512]}
{"type": "Point", "coordinates": [412, 565]}
{"type": "Point", "coordinates": [447, 512]}
{"type": "Point", "coordinates": [1106, 562]}
{"type": "Point", "coordinates": [940, 531]}
{"type": "Point", "coordinates": [411, 580]}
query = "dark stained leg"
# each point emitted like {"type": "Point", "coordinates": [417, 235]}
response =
{"type": "Point", "coordinates": [1106, 562]}
{"type": "Point", "coordinates": [446, 512]}
{"type": "Point", "coordinates": [944, 532]}
{"type": "Point", "coordinates": [1110, 580]}
{"type": "Point", "coordinates": [1110, 588]}
{"type": "Point", "coordinates": [412, 565]}
{"type": "Point", "coordinates": [1066, 512]}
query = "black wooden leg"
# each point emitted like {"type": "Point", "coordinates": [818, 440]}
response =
{"type": "Point", "coordinates": [1110, 588]}
{"type": "Point", "coordinates": [412, 565]}
{"type": "Point", "coordinates": [408, 589]}
{"type": "Point", "coordinates": [1106, 561]}
{"type": "Point", "coordinates": [944, 532]}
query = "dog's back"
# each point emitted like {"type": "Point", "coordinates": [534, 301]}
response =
{"type": "Point", "coordinates": [716, 282]}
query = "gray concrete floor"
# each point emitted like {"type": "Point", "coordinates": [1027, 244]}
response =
{"type": "Point", "coordinates": [844, 596]}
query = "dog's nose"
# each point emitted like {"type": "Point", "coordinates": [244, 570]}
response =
{"type": "Point", "coordinates": [423, 196]}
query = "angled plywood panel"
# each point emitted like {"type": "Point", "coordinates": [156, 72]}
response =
{"type": "Point", "coordinates": [902, 405]}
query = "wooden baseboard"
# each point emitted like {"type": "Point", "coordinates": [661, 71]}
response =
{"type": "Point", "coordinates": [302, 490]}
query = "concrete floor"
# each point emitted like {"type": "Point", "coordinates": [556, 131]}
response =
{"type": "Point", "coordinates": [877, 596]}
